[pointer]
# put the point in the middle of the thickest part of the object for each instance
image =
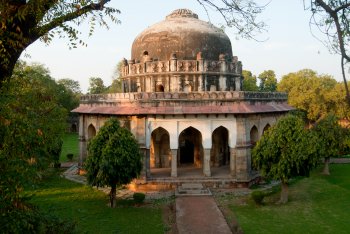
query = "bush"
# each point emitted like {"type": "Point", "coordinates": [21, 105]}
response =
{"type": "Point", "coordinates": [258, 197]}
{"type": "Point", "coordinates": [70, 157]}
{"type": "Point", "coordinates": [139, 197]}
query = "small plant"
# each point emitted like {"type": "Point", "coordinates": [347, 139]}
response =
{"type": "Point", "coordinates": [70, 157]}
{"type": "Point", "coordinates": [258, 197]}
{"type": "Point", "coordinates": [139, 198]}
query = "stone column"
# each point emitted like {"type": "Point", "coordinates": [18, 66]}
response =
{"type": "Point", "coordinates": [206, 163]}
{"type": "Point", "coordinates": [243, 151]}
{"type": "Point", "coordinates": [174, 163]}
{"type": "Point", "coordinates": [82, 150]}
{"type": "Point", "coordinates": [147, 167]}
{"type": "Point", "coordinates": [238, 83]}
{"type": "Point", "coordinates": [233, 162]}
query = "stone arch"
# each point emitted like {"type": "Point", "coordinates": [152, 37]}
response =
{"type": "Point", "coordinates": [267, 126]}
{"type": "Point", "coordinates": [159, 88]}
{"type": "Point", "coordinates": [190, 151]}
{"type": "Point", "coordinates": [220, 151]}
{"type": "Point", "coordinates": [254, 135]}
{"type": "Point", "coordinates": [91, 131]}
{"type": "Point", "coordinates": [160, 153]}
{"type": "Point", "coordinates": [74, 127]}
{"type": "Point", "coordinates": [187, 88]}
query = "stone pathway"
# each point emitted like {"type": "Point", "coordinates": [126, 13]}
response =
{"type": "Point", "coordinates": [199, 215]}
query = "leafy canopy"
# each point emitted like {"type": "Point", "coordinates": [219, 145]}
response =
{"type": "Point", "coordinates": [286, 150]}
{"type": "Point", "coordinates": [32, 125]}
{"type": "Point", "coordinates": [114, 158]}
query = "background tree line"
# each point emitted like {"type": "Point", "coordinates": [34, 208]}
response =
{"type": "Point", "coordinates": [313, 94]}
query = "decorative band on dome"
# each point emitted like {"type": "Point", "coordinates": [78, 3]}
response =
{"type": "Point", "coordinates": [182, 13]}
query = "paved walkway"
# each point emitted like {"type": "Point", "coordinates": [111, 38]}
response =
{"type": "Point", "coordinates": [199, 215]}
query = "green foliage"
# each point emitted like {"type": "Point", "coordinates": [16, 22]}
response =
{"type": "Point", "coordinates": [139, 197]}
{"type": "Point", "coordinates": [249, 81]}
{"type": "Point", "coordinates": [70, 157]}
{"type": "Point", "coordinates": [114, 157]}
{"type": "Point", "coordinates": [71, 85]}
{"type": "Point", "coordinates": [313, 93]}
{"type": "Point", "coordinates": [258, 197]}
{"type": "Point", "coordinates": [96, 85]}
{"type": "Point", "coordinates": [31, 126]}
{"type": "Point", "coordinates": [35, 221]}
{"type": "Point", "coordinates": [268, 81]}
{"type": "Point", "coordinates": [329, 136]}
{"type": "Point", "coordinates": [24, 22]}
{"type": "Point", "coordinates": [286, 150]}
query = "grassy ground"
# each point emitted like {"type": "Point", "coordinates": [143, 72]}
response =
{"type": "Point", "coordinates": [319, 204]}
{"type": "Point", "coordinates": [70, 146]}
{"type": "Point", "coordinates": [88, 208]}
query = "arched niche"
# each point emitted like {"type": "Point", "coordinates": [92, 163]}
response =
{"type": "Point", "coordinates": [254, 135]}
{"type": "Point", "coordinates": [91, 131]}
{"type": "Point", "coordinates": [160, 153]}
{"type": "Point", "coordinates": [190, 149]}
{"type": "Point", "coordinates": [220, 151]}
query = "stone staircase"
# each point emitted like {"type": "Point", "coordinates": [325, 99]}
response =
{"type": "Point", "coordinates": [192, 189]}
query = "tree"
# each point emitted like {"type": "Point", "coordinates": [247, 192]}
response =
{"type": "Point", "coordinates": [116, 86]}
{"type": "Point", "coordinates": [329, 143]}
{"type": "Point", "coordinates": [309, 92]}
{"type": "Point", "coordinates": [114, 158]}
{"type": "Point", "coordinates": [286, 150]}
{"type": "Point", "coordinates": [23, 22]}
{"type": "Point", "coordinates": [71, 85]}
{"type": "Point", "coordinates": [268, 81]}
{"type": "Point", "coordinates": [249, 81]}
{"type": "Point", "coordinates": [32, 125]}
{"type": "Point", "coordinates": [241, 15]}
{"type": "Point", "coordinates": [332, 19]}
{"type": "Point", "coordinates": [96, 85]}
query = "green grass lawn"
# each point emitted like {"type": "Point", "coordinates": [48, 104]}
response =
{"type": "Point", "coordinates": [318, 204]}
{"type": "Point", "coordinates": [89, 209]}
{"type": "Point", "coordinates": [70, 146]}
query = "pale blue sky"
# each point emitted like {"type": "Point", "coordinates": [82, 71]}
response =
{"type": "Point", "coordinates": [290, 46]}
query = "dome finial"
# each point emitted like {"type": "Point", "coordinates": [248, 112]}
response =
{"type": "Point", "coordinates": [182, 13]}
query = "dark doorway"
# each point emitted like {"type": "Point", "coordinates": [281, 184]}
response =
{"type": "Point", "coordinates": [190, 147]}
{"type": "Point", "coordinates": [187, 152]}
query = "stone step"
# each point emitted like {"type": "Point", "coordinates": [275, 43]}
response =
{"type": "Point", "coordinates": [192, 189]}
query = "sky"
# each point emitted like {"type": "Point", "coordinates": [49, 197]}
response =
{"type": "Point", "coordinates": [289, 47]}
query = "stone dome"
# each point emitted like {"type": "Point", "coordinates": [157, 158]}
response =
{"type": "Point", "coordinates": [185, 35]}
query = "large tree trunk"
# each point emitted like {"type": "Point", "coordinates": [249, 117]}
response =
{"type": "Point", "coordinates": [112, 196]}
{"type": "Point", "coordinates": [284, 193]}
{"type": "Point", "coordinates": [326, 166]}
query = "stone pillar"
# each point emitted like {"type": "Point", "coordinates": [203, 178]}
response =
{"type": "Point", "coordinates": [200, 83]}
{"type": "Point", "coordinates": [147, 166]}
{"type": "Point", "coordinates": [174, 163]}
{"type": "Point", "coordinates": [238, 83]}
{"type": "Point", "coordinates": [206, 163]}
{"type": "Point", "coordinates": [243, 151]}
{"type": "Point", "coordinates": [82, 150]}
{"type": "Point", "coordinates": [223, 69]}
{"type": "Point", "coordinates": [233, 162]}
{"type": "Point", "coordinates": [173, 62]}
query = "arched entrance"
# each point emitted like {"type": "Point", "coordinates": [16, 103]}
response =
{"type": "Point", "coordinates": [254, 135]}
{"type": "Point", "coordinates": [266, 128]}
{"type": "Point", "coordinates": [159, 88]}
{"type": "Point", "coordinates": [160, 153]}
{"type": "Point", "coordinates": [220, 151]}
{"type": "Point", "coordinates": [91, 131]}
{"type": "Point", "coordinates": [190, 150]}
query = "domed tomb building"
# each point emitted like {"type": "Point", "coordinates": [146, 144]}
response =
{"type": "Point", "coordinates": [183, 101]}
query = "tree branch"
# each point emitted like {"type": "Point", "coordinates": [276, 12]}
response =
{"type": "Point", "coordinates": [69, 16]}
